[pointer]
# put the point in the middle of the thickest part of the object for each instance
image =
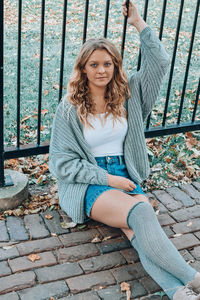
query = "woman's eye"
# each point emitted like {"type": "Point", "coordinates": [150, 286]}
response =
{"type": "Point", "coordinates": [93, 65]}
{"type": "Point", "coordinates": [108, 64]}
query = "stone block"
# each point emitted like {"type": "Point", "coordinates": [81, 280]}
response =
{"type": "Point", "coordinates": [129, 272]}
{"type": "Point", "coordinates": [167, 200]}
{"type": "Point", "coordinates": [45, 291]}
{"type": "Point", "coordinates": [197, 234]}
{"type": "Point", "coordinates": [185, 241]}
{"type": "Point", "coordinates": [4, 237]}
{"type": "Point", "coordinates": [115, 244]}
{"type": "Point", "coordinates": [95, 280]}
{"type": "Point", "coordinates": [180, 196]}
{"type": "Point", "coordinates": [165, 220]}
{"type": "Point", "coordinates": [188, 226]}
{"type": "Point", "coordinates": [36, 246]}
{"type": "Point", "coordinates": [130, 255]}
{"type": "Point", "coordinates": [13, 196]}
{"type": "Point", "coordinates": [79, 237]}
{"type": "Point", "coordinates": [36, 227]}
{"type": "Point", "coordinates": [196, 184]}
{"type": "Point", "coordinates": [83, 296]}
{"type": "Point", "coordinates": [23, 263]}
{"type": "Point", "coordinates": [9, 296]}
{"type": "Point", "coordinates": [102, 262]}
{"type": "Point", "coordinates": [16, 282]}
{"type": "Point", "coordinates": [58, 272]}
{"type": "Point", "coordinates": [4, 269]}
{"type": "Point", "coordinates": [75, 253]}
{"type": "Point", "coordinates": [10, 252]}
{"type": "Point", "coordinates": [150, 285]}
{"type": "Point", "coordinates": [196, 252]}
{"type": "Point", "coordinates": [190, 191]}
{"type": "Point", "coordinates": [16, 229]}
{"type": "Point", "coordinates": [109, 232]}
{"type": "Point", "coordinates": [53, 224]}
{"type": "Point", "coordinates": [185, 214]}
{"type": "Point", "coordinates": [186, 255]}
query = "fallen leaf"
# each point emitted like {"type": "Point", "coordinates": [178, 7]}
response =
{"type": "Point", "coordinates": [53, 234]}
{"type": "Point", "coordinates": [66, 225]}
{"type": "Point", "coordinates": [106, 238]}
{"type": "Point", "coordinates": [48, 217]}
{"type": "Point", "coordinates": [8, 247]}
{"type": "Point", "coordinates": [189, 224]}
{"type": "Point", "coordinates": [33, 257]}
{"type": "Point", "coordinates": [177, 234]}
{"type": "Point", "coordinates": [96, 240]}
{"type": "Point", "coordinates": [125, 287]}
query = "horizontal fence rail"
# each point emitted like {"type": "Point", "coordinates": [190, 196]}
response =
{"type": "Point", "coordinates": [150, 131]}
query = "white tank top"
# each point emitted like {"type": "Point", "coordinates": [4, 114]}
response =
{"type": "Point", "coordinates": [105, 140]}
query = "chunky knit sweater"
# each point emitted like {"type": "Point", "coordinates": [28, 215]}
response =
{"type": "Point", "coordinates": [71, 160]}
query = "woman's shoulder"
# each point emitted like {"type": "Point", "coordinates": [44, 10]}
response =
{"type": "Point", "coordinates": [64, 107]}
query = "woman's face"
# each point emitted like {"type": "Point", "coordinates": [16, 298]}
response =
{"type": "Point", "coordinates": [99, 69]}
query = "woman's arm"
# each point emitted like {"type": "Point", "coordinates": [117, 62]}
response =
{"type": "Point", "coordinates": [154, 62]}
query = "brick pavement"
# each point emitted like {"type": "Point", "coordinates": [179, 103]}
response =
{"type": "Point", "coordinates": [71, 266]}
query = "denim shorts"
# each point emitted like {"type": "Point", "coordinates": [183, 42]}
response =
{"type": "Point", "coordinates": [114, 165]}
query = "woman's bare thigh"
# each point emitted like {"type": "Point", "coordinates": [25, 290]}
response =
{"type": "Point", "coordinates": [112, 207]}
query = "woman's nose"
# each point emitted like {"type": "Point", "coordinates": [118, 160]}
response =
{"type": "Point", "coordinates": [101, 69]}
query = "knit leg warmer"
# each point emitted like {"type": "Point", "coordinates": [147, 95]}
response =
{"type": "Point", "coordinates": [165, 280]}
{"type": "Point", "coordinates": [155, 244]}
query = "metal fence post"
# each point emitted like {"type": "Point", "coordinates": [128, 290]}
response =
{"type": "Point", "coordinates": [1, 97]}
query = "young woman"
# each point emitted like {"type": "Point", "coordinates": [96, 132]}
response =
{"type": "Point", "coordinates": [98, 152]}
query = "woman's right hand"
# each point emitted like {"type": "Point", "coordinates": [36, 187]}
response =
{"type": "Point", "coordinates": [121, 182]}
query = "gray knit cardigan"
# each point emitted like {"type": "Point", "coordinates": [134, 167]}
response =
{"type": "Point", "coordinates": [71, 160]}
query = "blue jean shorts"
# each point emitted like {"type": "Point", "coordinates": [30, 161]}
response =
{"type": "Point", "coordinates": [114, 165]}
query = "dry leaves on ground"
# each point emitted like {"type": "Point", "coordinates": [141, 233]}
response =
{"type": "Point", "coordinates": [125, 287]}
{"type": "Point", "coordinates": [33, 257]}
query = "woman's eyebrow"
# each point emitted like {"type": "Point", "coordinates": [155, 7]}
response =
{"type": "Point", "coordinates": [107, 60]}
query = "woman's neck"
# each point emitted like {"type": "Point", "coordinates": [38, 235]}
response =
{"type": "Point", "coordinates": [98, 97]}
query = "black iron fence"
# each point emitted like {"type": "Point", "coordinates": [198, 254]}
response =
{"type": "Point", "coordinates": [150, 131]}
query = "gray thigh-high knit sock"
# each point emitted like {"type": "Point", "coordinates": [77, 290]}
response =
{"type": "Point", "coordinates": [155, 244]}
{"type": "Point", "coordinates": [164, 279]}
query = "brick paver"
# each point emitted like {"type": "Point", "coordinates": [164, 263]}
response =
{"type": "Point", "coordinates": [90, 263]}
{"type": "Point", "coordinates": [24, 263]}
{"type": "Point", "coordinates": [16, 282]}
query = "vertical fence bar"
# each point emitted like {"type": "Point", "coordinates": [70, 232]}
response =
{"type": "Point", "coordinates": [173, 62]}
{"type": "Point", "coordinates": [196, 102]}
{"type": "Point", "coordinates": [106, 18]}
{"type": "Point", "coordinates": [19, 71]}
{"type": "Point", "coordinates": [160, 37]}
{"type": "Point", "coordinates": [41, 71]}
{"type": "Point", "coordinates": [162, 19]}
{"type": "Point", "coordinates": [124, 31]}
{"type": "Point", "coordinates": [1, 95]}
{"type": "Point", "coordinates": [63, 48]}
{"type": "Point", "coordinates": [145, 18]}
{"type": "Point", "coordinates": [85, 21]}
{"type": "Point", "coordinates": [188, 62]}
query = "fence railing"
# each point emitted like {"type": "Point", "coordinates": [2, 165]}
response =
{"type": "Point", "coordinates": [42, 148]}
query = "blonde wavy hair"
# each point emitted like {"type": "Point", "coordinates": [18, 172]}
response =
{"type": "Point", "coordinates": [117, 89]}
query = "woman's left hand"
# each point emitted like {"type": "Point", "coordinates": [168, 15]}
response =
{"type": "Point", "coordinates": [134, 17]}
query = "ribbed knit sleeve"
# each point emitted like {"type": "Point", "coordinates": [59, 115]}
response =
{"type": "Point", "coordinates": [66, 161]}
{"type": "Point", "coordinates": [154, 65]}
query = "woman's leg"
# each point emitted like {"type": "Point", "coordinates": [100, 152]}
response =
{"type": "Point", "coordinates": [112, 208]}
{"type": "Point", "coordinates": [150, 237]}
{"type": "Point", "coordinates": [165, 280]}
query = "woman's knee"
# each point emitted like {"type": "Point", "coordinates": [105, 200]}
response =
{"type": "Point", "coordinates": [112, 207]}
